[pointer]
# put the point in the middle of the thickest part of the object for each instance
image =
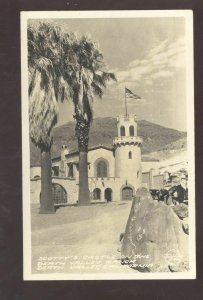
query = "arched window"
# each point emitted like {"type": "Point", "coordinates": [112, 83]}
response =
{"type": "Point", "coordinates": [96, 194]}
{"type": "Point", "coordinates": [101, 169]}
{"type": "Point", "coordinates": [59, 194]}
{"type": "Point", "coordinates": [131, 130]}
{"type": "Point", "coordinates": [130, 155]}
{"type": "Point", "coordinates": [122, 131]}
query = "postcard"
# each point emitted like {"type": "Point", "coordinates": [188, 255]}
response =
{"type": "Point", "coordinates": [108, 145]}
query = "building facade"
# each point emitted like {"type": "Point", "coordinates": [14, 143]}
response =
{"type": "Point", "coordinates": [114, 173]}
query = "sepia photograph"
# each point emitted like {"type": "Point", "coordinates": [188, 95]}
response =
{"type": "Point", "coordinates": [108, 145]}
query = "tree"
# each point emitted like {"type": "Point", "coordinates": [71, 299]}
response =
{"type": "Point", "coordinates": [84, 73]}
{"type": "Point", "coordinates": [62, 65]}
{"type": "Point", "coordinates": [44, 91]}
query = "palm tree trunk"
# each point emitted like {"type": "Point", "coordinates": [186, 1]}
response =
{"type": "Point", "coordinates": [46, 203]}
{"type": "Point", "coordinates": [84, 197]}
{"type": "Point", "coordinates": [82, 133]}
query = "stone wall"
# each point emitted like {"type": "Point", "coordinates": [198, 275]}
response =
{"type": "Point", "coordinates": [71, 187]}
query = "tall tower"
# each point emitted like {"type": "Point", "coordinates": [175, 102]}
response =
{"type": "Point", "coordinates": [128, 155]}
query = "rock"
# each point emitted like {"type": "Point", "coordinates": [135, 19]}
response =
{"type": "Point", "coordinates": [185, 225]}
{"type": "Point", "coordinates": [153, 239]}
{"type": "Point", "coordinates": [183, 266]}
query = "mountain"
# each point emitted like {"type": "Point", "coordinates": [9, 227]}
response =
{"type": "Point", "coordinates": [155, 137]}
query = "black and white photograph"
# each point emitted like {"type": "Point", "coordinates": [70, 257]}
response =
{"type": "Point", "coordinates": [108, 145]}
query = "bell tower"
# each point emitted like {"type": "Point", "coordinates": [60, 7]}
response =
{"type": "Point", "coordinates": [127, 146]}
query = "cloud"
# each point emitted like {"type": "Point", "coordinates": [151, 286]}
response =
{"type": "Point", "coordinates": [137, 102]}
{"type": "Point", "coordinates": [161, 62]}
{"type": "Point", "coordinates": [158, 49]}
{"type": "Point", "coordinates": [162, 74]}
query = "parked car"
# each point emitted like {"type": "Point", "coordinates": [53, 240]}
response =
{"type": "Point", "coordinates": [154, 193]}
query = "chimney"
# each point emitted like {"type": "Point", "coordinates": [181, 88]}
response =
{"type": "Point", "coordinates": [64, 152]}
{"type": "Point", "coordinates": [62, 169]}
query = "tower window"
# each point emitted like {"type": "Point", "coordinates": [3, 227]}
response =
{"type": "Point", "coordinates": [138, 173]}
{"type": "Point", "coordinates": [101, 169]}
{"type": "Point", "coordinates": [122, 131]}
{"type": "Point", "coordinates": [131, 129]}
{"type": "Point", "coordinates": [130, 155]}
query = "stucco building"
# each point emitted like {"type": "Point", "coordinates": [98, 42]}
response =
{"type": "Point", "coordinates": [115, 173]}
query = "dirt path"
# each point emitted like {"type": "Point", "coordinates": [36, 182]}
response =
{"type": "Point", "coordinates": [87, 237]}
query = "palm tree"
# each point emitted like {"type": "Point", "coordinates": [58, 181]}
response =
{"type": "Point", "coordinates": [84, 74]}
{"type": "Point", "coordinates": [62, 66]}
{"type": "Point", "coordinates": [44, 91]}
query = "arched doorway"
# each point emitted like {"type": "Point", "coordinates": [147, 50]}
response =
{"type": "Point", "coordinates": [59, 194]}
{"type": "Point", "coordinates": [127, 193]}
{"type": "Point", "coordinates": [108, 194]}
{"type": "Point", "coordinates": [96, 194]}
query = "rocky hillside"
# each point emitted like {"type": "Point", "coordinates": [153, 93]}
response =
{"type": "Point", "coordinates": [155, 137]}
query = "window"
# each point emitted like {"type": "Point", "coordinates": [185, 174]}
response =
{"type": "Point", "coordinates": [131, 130]}
{"type": "Point", "coordinates": [130, 155]}
{"type": "Point", "coordinates": [101, 169]}
{"type": "Point", "coordinates": [59, 194]}
{"type": "Point", "coordinates": [70, 170]}
{"type": "Point", "coordinates": [122, 131]}
{"type": "Point", "coordinates": [96, 194]}
{"type": "Point", "coordinates": [138, 173]}
{"type": "Point", "coordinates": [55, 171]}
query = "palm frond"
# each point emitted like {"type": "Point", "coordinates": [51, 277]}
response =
{"type": "Point", "coordinates": [43, 113]}
{"type": "Point", "coordinates": [97, 90]}
{"type": "Point", "coordinates": [108, 76]}
{"type": "Point", "coordinates": [62, 66]}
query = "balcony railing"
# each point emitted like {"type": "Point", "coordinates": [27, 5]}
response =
{"type": "Point", "coordinates": [126, 118]}
{"type": "Point", "coordinates": [127, 139]}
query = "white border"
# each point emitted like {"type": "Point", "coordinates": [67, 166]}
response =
{"type": "Point", "coordinates": [25, 152]}
{"type": "Point", "coordinates": [188, 15]}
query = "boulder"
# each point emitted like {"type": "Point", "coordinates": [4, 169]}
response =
{"type": "Point", "coordinates": [185, 225]}
{"type": "Point", "coordinates": [154, 240]}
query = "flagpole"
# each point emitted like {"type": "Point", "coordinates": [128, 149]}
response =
{"type": "Point", "coordinates": [125, 104]}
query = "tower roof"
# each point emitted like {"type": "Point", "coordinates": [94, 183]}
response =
{"type": "Point", "coordinates": [124, 118]}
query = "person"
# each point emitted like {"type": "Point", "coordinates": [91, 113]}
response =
{"type": "Point", "coordinates": [180, 192]}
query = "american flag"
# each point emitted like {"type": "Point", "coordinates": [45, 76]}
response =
{"type": "Point", "coordinates": [131, 95]}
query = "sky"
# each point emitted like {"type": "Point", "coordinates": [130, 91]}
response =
{"type": "Point", "coordinates": [147, 56]}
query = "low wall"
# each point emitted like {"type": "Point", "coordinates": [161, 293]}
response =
{"type": "Point", "coordinates": [71, 187]}
{"type": "Point", "coordinates": [69, 184]}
